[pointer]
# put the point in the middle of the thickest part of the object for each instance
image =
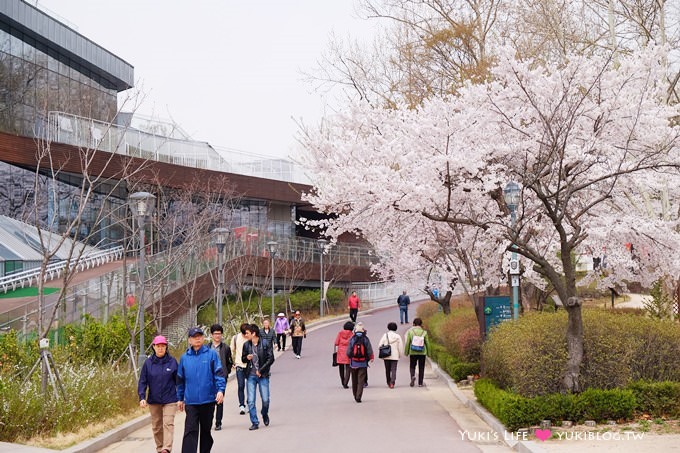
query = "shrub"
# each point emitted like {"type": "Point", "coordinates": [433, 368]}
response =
{"type": "Point", "coordinates": [659, 399]}
{"type": "Point", "coordinates": [428, 309]}
{"type": "Point", "coordinates": [529, 356]}
{"type": "Point", "coordinates": [31, 413]}
{"type": "Point", "coordinates": [457, 332]}
{"type": "Point", "coordinates": [516, 411]}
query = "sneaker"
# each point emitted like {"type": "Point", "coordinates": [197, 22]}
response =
{"type": "Point", "coordinates": [365, 384]}
{"type": "Point", "coordinates": [421, 385]}
{"type": "Point", "coordinates": [265, 419]}
{"type": "Point", "coordinates": [253, 427]}
{"type": "Point", "coordinates": [297, 356]}
{"type": "Point", "coordinates": [345, 386]}
{"type": "Point", "coordinates": [413, 381]}
{"type": "Point", "coordinates": [242, 409]}
{"type": "Point", "coordinates": [218, 427]}
{"type": "Point", "coordinates": [391, 385]}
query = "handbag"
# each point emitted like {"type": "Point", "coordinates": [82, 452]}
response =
{"type": "Point", "coordinates": [335, 359]}
{"type": "Point", "coordinates": [385, 350]}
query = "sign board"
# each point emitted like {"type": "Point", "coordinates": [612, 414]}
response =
{"type": "Point", "coordinates": [496, 310]}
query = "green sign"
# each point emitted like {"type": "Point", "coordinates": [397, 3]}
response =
{"type": "Point", "coordinates": [496, 310]}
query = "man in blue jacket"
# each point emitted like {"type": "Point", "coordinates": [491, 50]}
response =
{"type": "Point", "coordinates": [200, 384]}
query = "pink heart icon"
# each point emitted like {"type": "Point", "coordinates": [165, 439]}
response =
{"type": "Point", "coordinates": [542, 434]}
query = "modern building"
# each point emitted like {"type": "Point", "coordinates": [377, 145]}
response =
{"type": "Point", "coordinates": [58, 110]}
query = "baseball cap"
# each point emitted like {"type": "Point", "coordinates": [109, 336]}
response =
{"type": "Point", "coordinates": [160, 339]}
{"type": "Point", "coordinates": [195, 331]}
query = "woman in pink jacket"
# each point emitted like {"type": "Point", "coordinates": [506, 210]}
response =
{"type": "Point", "coordinates": [341, 342]}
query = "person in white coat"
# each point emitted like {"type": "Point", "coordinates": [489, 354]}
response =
{"type": "Point", "coordinates": [392, 338]}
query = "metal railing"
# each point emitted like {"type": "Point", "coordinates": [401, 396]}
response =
{"type": "Point", "coordinates": [54, 270]}
{"type": "Point", "coordinates": [89, 133]}
{"type": "Point", "coordinates": [106, 294]}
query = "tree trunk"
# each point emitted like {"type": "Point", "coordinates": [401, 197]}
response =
{"type": "Point", "coordinates": [571, 381]}
{"type": "Point", "coordinates": [445, 301]}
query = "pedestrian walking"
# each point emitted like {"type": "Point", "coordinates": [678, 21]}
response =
{"type": "Point", "coordinates": [393, 339]}
{"type": "Point", "coordinates": [237, 342]}
{"type": "Point", "coordinates": [224, 353]}
{"type": "Point", "coordinates": [267, 334]}
{"type": "Point", "coordinates": [354, 304]}
{"type": "Point", "coordinates": [360, 352]}
{"type": "Point", "coordinates": [200, 384]}
{"type": "Point", "coordinates": [417, 347]}
{"type": "Point", "coordinates": [299, 331]}
{"type": "Point", "coordinates": [158, 377]}
{"type": "Point", "coordinates": [341, 343]}
{"type": "Point", "coordinates": [258, 356]}
{"type": "Point", "coordinates": [403, 301]}
{"type": "Point", "coordinates": [282, 329]}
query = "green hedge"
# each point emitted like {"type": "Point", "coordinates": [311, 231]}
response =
{"type": "Point", "coordinates": [451, 365]}
{"type": "Point", "coordinates": [516, 411]}
{"type": "Point", "coordinates": [529, 356]}
{"type": "Point", "coordinates": [658, 399]}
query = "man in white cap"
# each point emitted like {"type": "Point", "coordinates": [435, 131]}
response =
{"type": "Point", "coordinates": [360, 353]}
{"type": "Point", "coordinates": [281, 327]}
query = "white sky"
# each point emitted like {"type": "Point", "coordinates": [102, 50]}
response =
{"type": "Point", "coordinates": [228, 72]}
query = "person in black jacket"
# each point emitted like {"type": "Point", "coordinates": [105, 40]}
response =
{"type": "Point", "coordinates": [158, 376]}
{"type": "Point", "coordinates": [258, 357]}
{"type": "Point", "coordinates": [224, 353]}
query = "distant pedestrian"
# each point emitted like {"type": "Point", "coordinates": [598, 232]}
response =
{"type": "Point", "coordinates": [360, 352]}
{"type": "Point", "coordinates": [341, 343]}
{"type": "Point", "coordinates": [392, 338]}
{"type": "Point", "coordinates": [259, 357]}
{"type": "Point", "coordinates": [237, 342]}
{"type": "Point", "coordinates": [267, 334]}
{"type": "Point", "coordinates": [403, 301]}
{"type": "Point", "coordinates": [417, 347]}
{"type": "Point", "coordinates": [282, 329]}
{"type": "Point", "coordinates": [354, 304]}
{"type": "Point", "coordinates": [158, 376]}
{"type": "Point", "coordinates": [224, 353]}
{"type": "Point", "coordinates": [200, 384]}
{"type": "Point", "coordinates": [299, 331]}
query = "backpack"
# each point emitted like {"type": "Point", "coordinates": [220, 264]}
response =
{"type": "Point", "coordinates": [418, 342]}
{"type": "Point", "coordinates": [358, 351]}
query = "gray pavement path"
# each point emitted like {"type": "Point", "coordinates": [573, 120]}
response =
{"type": "Point", "coordinates": [309, 406]}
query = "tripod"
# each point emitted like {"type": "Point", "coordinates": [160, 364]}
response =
{"type": "Point", "coordinates": [49, 371]}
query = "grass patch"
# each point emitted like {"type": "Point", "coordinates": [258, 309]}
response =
{"type": "Point", "coordinates": [26, 292]}
{"type": "Point", "coordinates": [65, 440]}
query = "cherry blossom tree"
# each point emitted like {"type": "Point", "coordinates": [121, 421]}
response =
{"type": "Point", "coordinates": [578, 138]}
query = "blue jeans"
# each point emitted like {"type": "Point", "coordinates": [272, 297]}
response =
{"type": "Point", "coordinates": [253, 383]}
{"type": "Point", "coordinates": [241, 381]}
{"type": "Point", "coordinates": [403, 314]}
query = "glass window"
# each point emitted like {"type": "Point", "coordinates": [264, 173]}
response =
{"type": "Point", "coordinates": [4, 41]}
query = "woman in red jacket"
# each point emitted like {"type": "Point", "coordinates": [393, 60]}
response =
{"type": "Point", "coordinates": [341, 342]}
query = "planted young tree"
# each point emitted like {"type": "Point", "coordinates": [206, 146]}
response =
{"type": "Point", "coordinates": [575, 137]}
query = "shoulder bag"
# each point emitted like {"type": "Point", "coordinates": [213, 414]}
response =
{"type": "Point", "coordinates": [385, 350]}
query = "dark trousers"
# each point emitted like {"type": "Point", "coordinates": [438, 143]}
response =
{"type": "Point", "coordinates": [219, 413]}
{"type": "Point", "coordinates": [297, 345]}
{"type": "Point", "coordinates": [241, 382]}
{"type": "Point", "coordinates": [358, 380]}
{"type": "Point", "coordinates": [391, 371]}
{"type": "Point", "coordinates": [281, 341]}
{"type": "Point", "coordinates": [353, 314]}
{"type": "Point", "coordinates": [420, 360]}
{"type": "Point", "coordinates": [198, 424]}
{"type": "Point", "coordinates": [344, 373]}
